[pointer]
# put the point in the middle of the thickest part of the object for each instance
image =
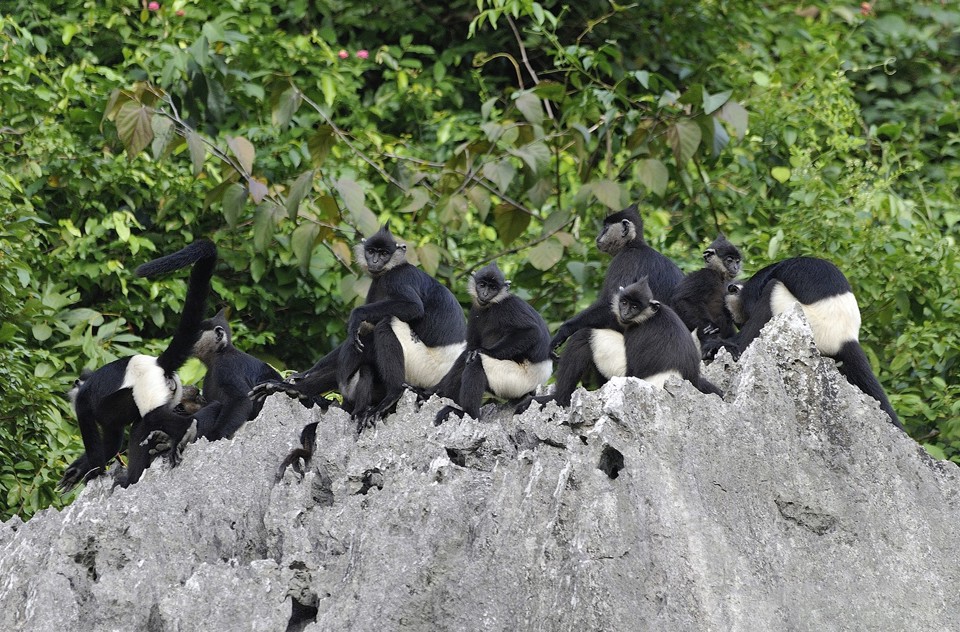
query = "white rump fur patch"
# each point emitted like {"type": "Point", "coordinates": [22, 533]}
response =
{"type": "Point", "coordinates": [151, 388]}
{"type": "Point", "coordinates": [510, 380]}
{"type": "Point", "coordinates": [834, 320]}
{"type": "Point", "coordinates": [424, 366]}
{"type": "Point", "coordinates": [659, 378]}
{"type": "Point", "coordinates": [609, 352]}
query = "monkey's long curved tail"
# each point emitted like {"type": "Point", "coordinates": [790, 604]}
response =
{"type": "Point", "coordinates": [855, 366]}
{"type": "Point", "coordinates": [202, 254]}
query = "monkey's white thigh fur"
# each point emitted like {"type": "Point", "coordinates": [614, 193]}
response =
{"type": "Point", "coordinates": [609, 352]}
{"type": "Point", "coordinates": [511, 380]}
{"type": "Point", "coordinates": [424, 366]}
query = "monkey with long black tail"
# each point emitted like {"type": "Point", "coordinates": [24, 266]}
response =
{"type": "Point", "coordinates": [827, 300]}
{"type": "Point", "coordinates": [700, 298]}
{"type": "Point", "coordinates": [141, 391]}
{"type": "Point", "coordinates": [508, 348]}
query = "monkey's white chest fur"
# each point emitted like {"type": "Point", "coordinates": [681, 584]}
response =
{"type": "Point", "coordinates": [424, 366]}
{"type": "Point", "coordinates": [834, 320]}
{"type": "Point", "coordinates": [609, 352]}
{"type": "Point", "coordinates": [151, 388]}
{"type": "Point", "coordinates": [511, 380]}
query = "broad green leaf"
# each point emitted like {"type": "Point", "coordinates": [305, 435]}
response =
{"type": "Point", "coordinates": [42, 331]}
{"type": "Point", "coordinates": [500, 173]}
{"type": "Point", "coordinates": [480, 198]}
{"type": "Point", "coordinates": [134, 128]}
{"type": "Point", "coordinates": [684, 138]}
{"type": "Point", "coordinates": [264, 222]}
{"type": "Point", "coordinates": [319, 145]}
{"type": "Point", "coordinates": [243, 150]}
{"type": "Point", "coordinates": [653, 174]}
{"type": "Point", "coordinates": [608, 193]}
{"type": "Point", "coordinates": [298, 190]}
{"type": "Point", "coordinates": [234, 198]}
{"type": "Point", "coordinates": [762, 79]}
{"type": "Point", "coordinates": [328, 89]}
{"type": "Point", "coordinates": [531, 107]}
{"type": "Point", "coordinates": [557, 220]}
{"type": "Point", "coordinates": [164, 133]}
{"type": "Point", "coordinates": [780, 174]}
{"type": "Point", "coordinates": [429, 255]}
{"type": "Point", "coordinates": [353, 198]}
{"type": "Point", "coordinates": [418, 199]}
{"type": "Point", "coordinates": [713, 101]}
{"type": "Point", "coordinates": [510, 222]}
{"type": "Point", "coordinates": [258, 266]}
{"type": "Point", "coordinates": [736, 115]}
{"type": "Point", "coordinates": [198, 151]}
{"type": "Point", "coordinates": [286, 106]}
{"type": "Point", "coordinates": [536, 155]}
{"type": "Point", "coordinates": [546, 254]}
{"type": "Point", "coordinates": [774, 246]}
{"type": "Point", "coordinates": [452, 210]}
{"type": "Point", "coordinates": [120, 225]}
{"type": "Point", "coordinates": [302, 241]}
{"type": "Point", "coordinates": [68, 32]}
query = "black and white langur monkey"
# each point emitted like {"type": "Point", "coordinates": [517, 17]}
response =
{"type": "Point", "coordinates": [508, 348]}
{"type": "Point", "coordinates": [700, 298]}
{"type": "Point", "coordinates": [410, 331]}
{"type": "Point", "coordinates": [231, 374]}
{"type": "Point", "coordinates": [140, 391]}
{"type": "Point", "coordinates": [828, 303]}
{"type": "Point", "coordinates": [658, 344]}
{"type": "Point", "coordinates": [622, 237]}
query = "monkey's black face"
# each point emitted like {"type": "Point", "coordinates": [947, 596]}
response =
{"type": "Point", "coordinates": [377, 258]}
{"type": "Point", "coordinates": [726, 263]}
{"type": "Point", "coordinates": [634, 304]}
{"type": "Point", "coordinates": [488, 286]}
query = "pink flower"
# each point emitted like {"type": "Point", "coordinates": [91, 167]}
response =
{"type": "Point", "coordinates": [343, 54]}
{"type": "Point", "coordinates": [154, 6]}
{"type": "Point", "coordinates": [363, 53]}
{"type": "Point", "coordinates": [866, 9]}
{"type": "Point", "coordinates": [181, 13]}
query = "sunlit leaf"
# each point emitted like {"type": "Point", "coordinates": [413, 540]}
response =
{"type": "Point", "coordinates": [546, 254]}
{"type": "Point", "coordinates": [134, 128]}
{"type": "Point", "coordinates": [608, 193]}
{"type": "Point", "coordinates": [244, 152]}
{"type": "Point", "coordinates": [736, 115]}
{"type": "Point", "coordinates": [42, 331]}
{"type": "Point", "coordinates": [302, 241]}
{"type": "Point", "coordinates": [418, 199]}
{"type": "Point", "coordinates": [429, 255]}
{"type": "Point", "coordinates": [298, 190]}
{"type": "Point", "coordinates": [780, 174]}
{"type": "Point", "coordinates": [480, 198]}
{"type": "Point", "coordinates": [684, 137]}
{"type": "Point", "coordinates": [501, 173]}
{"type": "Point", "coordinates": [653, 174]}
{"type": "Point", "coordinates": [713, 101]}
{"type": "Point", "coordinates": [164, 133]}
{"type": "Point", "coordinates": [353, 198]}
{"type": "Point", "coordinates": [286, 107]}
{"type": "Point", "coordinates": [531, 107]}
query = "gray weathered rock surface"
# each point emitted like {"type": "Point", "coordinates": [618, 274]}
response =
{"type": "Point", "coordinates": [792, 505]}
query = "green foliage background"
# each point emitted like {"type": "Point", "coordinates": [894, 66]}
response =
{"type": "Point", "coordinates": [494, 129]}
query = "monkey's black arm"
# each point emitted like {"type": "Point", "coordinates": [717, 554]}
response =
{"type": "Point", "coordinates": [517, 343]}
{"type": "Point", "coordinates": [597, 316]}
{"type": "Point", "coordinates": [233, 414]}
{"type": "Point", "coordinates": [407, 307]}
{"type": "Point", "coordinates": [306, 386]}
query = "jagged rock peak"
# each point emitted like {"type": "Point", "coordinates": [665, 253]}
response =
{"type": "Point", "coordinates": [793, 504]}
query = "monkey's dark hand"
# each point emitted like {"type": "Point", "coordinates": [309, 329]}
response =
{"type": "Point", "coordinates": [357, 342]}
{"type": "Point", "coordinates": [708, 330]}
{"type": "Point", "coordinates": [710, 348]}
{"type": "Point", "coordinates": [77, 472]}
{"type": "Point", "coordinates": [289, 386]}
{"type": "Point", "coordinates": [559, 339]}
{"type": "Point", "coordinates": [473, 355]}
